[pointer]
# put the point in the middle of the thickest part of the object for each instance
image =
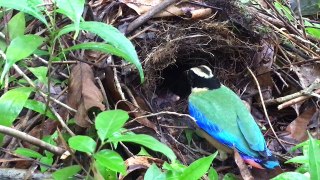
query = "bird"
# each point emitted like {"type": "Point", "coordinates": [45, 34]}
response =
{"type": "Point", "coordinates": [221, 113]}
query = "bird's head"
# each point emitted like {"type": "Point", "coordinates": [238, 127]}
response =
{"type": "Point", "coordinates": [201, 78]}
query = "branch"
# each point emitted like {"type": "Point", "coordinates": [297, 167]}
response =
{"type": "Point", "coordinates": [146, 16]}
{"type": "Point", "coordinates": [312, 90]}
{"type": "Point", "coordinates": [32, 140]}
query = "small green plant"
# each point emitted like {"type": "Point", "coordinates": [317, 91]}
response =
{"type": "Point", "coordinates": [46, 160]}
{"type": "Point", "coordinates": [109, 126]}
{"type": "Point", "coordinates": [309, 161]}
{"type": "Point", "coordinates": [176, 170]}
{"type": "Point", "coordinates": [17, 47]}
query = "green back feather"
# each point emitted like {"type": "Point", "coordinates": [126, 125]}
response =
{"type": "Point", "coordinates": [225, 109]}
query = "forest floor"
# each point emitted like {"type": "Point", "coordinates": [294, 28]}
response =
{"type": "Point", "coordinates": [258, 50]}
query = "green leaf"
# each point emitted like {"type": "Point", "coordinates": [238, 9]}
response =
{"type": "Point", "coordinates": [102, 47]}
{"type": "Point", "coordinates": [303, 144]}
{"type": "Point", "coordinates": [290, 176]}
{"type": "Point", "coordinates": [51, 139]}
{"type": "Point", "coordinates": [20, 48]}
{"type": "Point", "coordinates": [16, 26]}
{"type": "Point", "coordinates": [11, 104]}
{"type": "Point", "coordinates": [213, 174]}
{"type": "Point", "coordinates": [312, 29]}
{"type": "Point", "coordinates": [82, 143]}
{"type": "Point", "coordinates": [3, 46]}
{"type": "Point", "coordinates": [107, 174]}
{"type": "Point", "coordinates": [284, 11]}
{"type": "Point", "coordinates": [28, 153]}
{"type": "Point", "coordinates": [154, 173]}
{"type": "Point", "coordinates": [66, 173]}
{"type": "Point", "coordinates": [72, 9]}
{"type": "Point", "coordinates": [175, 166]}
{"type": "Point", "coordinates": [143, 152]}
{"type": "Point", "coordinates": [147, 141]}
{"type": "Point", "coordinates": [229, 176]}
{"type": "Point", "coordinates": [174, 170]}
{"type": "Point", "coordinates": [198, 168]}
{"type": "Point", "coordinates": [314, 159]}
{"type": "Point", "coordinates": [41, 73]}
{"type": "Point", "coordinates": [111, 160]}
{"type": "Point", "coordinates": [299, 159]}
{"type": "Point", "coordinates": [45, 160]}
{"type": "Point", "coordinates": [27, 6]}
{"type": "Point", "coordinates": [113, 37]}
{"type": "Point", "coordinates": [109, 122]}
{"type": "Point", "coordinates": [39, 107]}
{"type": "Point", "coordinates": [189, 134]}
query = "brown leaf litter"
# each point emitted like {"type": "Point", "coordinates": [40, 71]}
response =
{"type": "Point", "coordinates": [83, 94]}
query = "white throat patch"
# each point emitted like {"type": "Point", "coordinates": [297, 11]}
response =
{"type": "Point", "coordinates": [201, 73]}
{"type": "Point", "coordinates": [195, 90]}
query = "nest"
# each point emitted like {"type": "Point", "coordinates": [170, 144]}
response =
{"type": "Point", "coordinates": [226, 43]}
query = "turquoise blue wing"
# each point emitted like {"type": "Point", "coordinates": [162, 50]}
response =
{"type": "Point", "coordinates": [224, 137]}
{"type": "Point", "coordinates": [222, 114]}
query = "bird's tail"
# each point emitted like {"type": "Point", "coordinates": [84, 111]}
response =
{"type": "Point", "coordinates": [269, 162]}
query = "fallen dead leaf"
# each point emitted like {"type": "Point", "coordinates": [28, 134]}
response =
{"type": "Point", "coordinates": [143, 121]}
{"type": "Point", "coordinates": [194, 11]}
{"type": "Point", "coordinates": [307, 74]}
{"type": "Point", "coordinates": [142, 6]}
{"type": "Point", "coordinates": [264, 59]}
{"type": "Point", "coordinates": [140, 163]}
{"type": "Point", "coordinates": [83, 94]}
{"type": "Point", "coordinates": [298, 127]}
{"type": "Point", "coordinates": [128, 106]}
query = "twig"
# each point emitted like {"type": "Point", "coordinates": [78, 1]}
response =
{"type": "Point", "coordinates": [165, 113]}
{"type": "Point", "coordinates": [303, 62]}
{"type": "Point", "coordinates": [126, 149]}
{"type": "Point", "coordinates": [103, 93]}
{"type": "Point", "coordinates": [141, 32]}
{"type": "Point", "coordinates": [117, 82]}
{"type": "Point", "coordinates": [41, 93]}
{"type": "Point", "coordinates": [272, 20]}
{"type": "Point", "coordinates": [146, 16]}
{"type": "Point", "coordinates": [175, 127]}
{"type": "Point", "coordinates": [310, 91]}
{"type": "Point", "coordinates": [61, 121]}
{"type": "Point", "coordinates": [301, 20]}
{"type": "Point", "coordinates": [184, 146]}
{"type": "Point", "coordinates": [287, 23]}
{"type": "Point", "coordinates": [264, 108]}
{"type": "Point", "coordinates": [244, 171]}
{"type": "Point", "coordinates": [12, 173]}
{"type": "Point", "coordinates": [41, 59]}
{"type": "Point", "coordinates": [297, 100]}
{"type": "Point", "coordinates": [32, 140]}
{"type": "Point", "coordinates": [199, 150]}
{"type": "Point", "coordinates": [45, 97]}
{"type": "Point", "coordinates": [131, 97]}
{"type": "Point", "coordinates": [294, 39]}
